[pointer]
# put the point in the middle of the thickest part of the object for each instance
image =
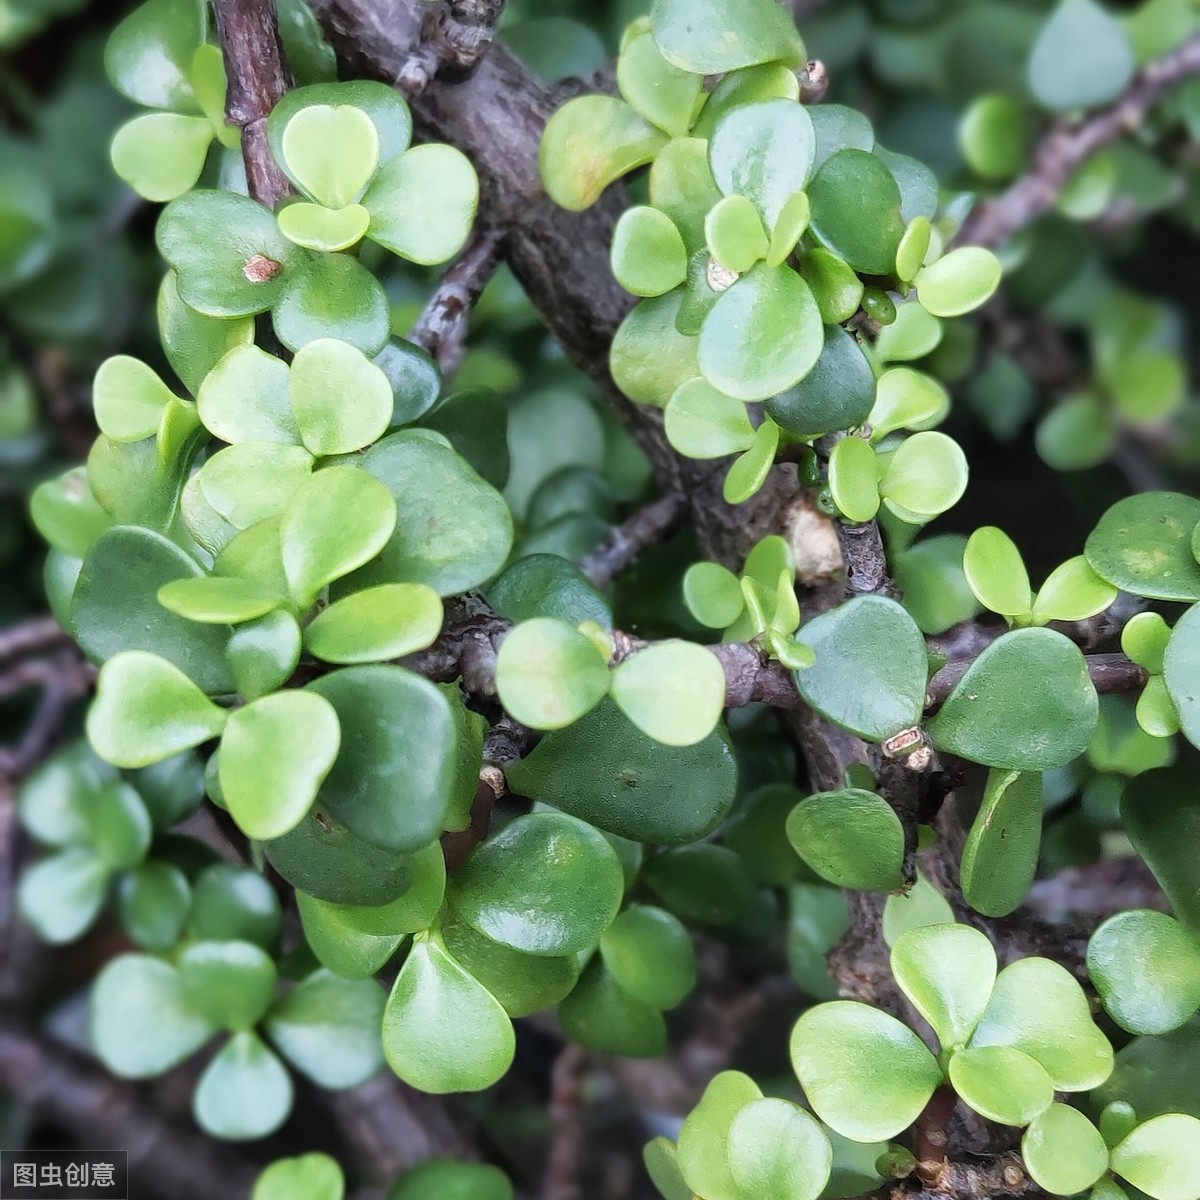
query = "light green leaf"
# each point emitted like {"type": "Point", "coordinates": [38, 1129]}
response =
{"type": "Point", "coordinates": [706, 37]}
{"type": "Point", "coordinates": [213, 600]}
{"type": "Point", "coordinates": [1159, 1157]}
{"type": "Point", "coordinates": [245, 1093]}
{"type": "Point", "coordinates": [1072, 592]}
{"type": "Point", "coordinates": [548, 675]}
{"type": "Point", "coordinates": [996, 573]}
{"type": "Point", "coordinates": [244, 398]}
{"type": "Point", "coordinates": [924, 477]}
{"type": "Point", "coordinates": [306, 1177]}
{"type": "Point", "coordinates": [648, 256]}
{"type": "Point", "coordinates": [229, 983]}
{"type": "Point", "coordinates": [1144, 639]}
{"type": "Point", "coordinates": [376, 624]}
{"type": "Point", "coordinates": [673, 691]}
{"type": "Point", "coordinates": [161, 155]}
{"type": "Point", "coordinates": [735, 234]}
{"type": "Point", "coordinates": [924, 905]}
{"type": "Point", "coordinates": [342, 401]}
{"type": "Point", "coordinates": [650, 359]}
{"type": "Point", "coordinates": [947, 971]}
{"type": "Point", "coordinates": [1063, 1151]}
{"type": "Point", "coordinates": [1002, 1084]}
{"type": "Point", "coordinates": [854, 479]}
{"type": "Point", "coordinates": [324, 229]}
{"type": "Point", "coordinates": [713, 594]}
{"type": "Point", "coordinates": [703, 422]}
{"type": "Point", "coordinates": [331, 151]}
{"type": "Point", "coordinates": [61, 895]}
{"type": "Point", "coordinates": [1082, 58]}
{"type": "Point", "coordinates": [1000, 857]}
{"type": "Point", "coordinates": [750, 471]}
{"type": "Point", "coordinates": [129, 399]}
{"type": "Point", "coordinates": [703, 1149]}
{"type": "Point", "coordinates": [665, 95]}
{"type": "Point", "coordinates": [442, 1030]}
{"type": "Point", "coordinates": [867, 1076]}
{"type": "Point", "coordinates": [959, 282]}
{"type": "Point", "coordinates": [1181, 669]}
{"type": "Point", "coordinates": [776, 1149]}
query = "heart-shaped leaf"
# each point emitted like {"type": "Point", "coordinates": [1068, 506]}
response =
{"type": "Point", "coordinates": [947, 971]}
{"type": "Point", "coordinates": [61, 895]}
{"type": "Point", "coordinates": [229, 983]}
{"type": "Point", "coordinates": [342, 401]}
{"type": "Point", "coordinates": [1063, 1151]}
{"type": "Point", "coordinates": [851, 838]}
{"type": "Point", "coordinates": [140, 1025]}
{"type": "Point", "coordinates": [763, 152]}
{"type": "Point", "coordinates": [1002, 1084]}
{"type": "Point", "coordinates": [1039, 1007]}
{"type": "Point", "coordinates": [708, 38]}
{"type": "Point", "coordinates": [776, 1149]}
{"type": "Point", "coordinates": [244, 398]}
{"type": "Point", "coordinates": [870, 667]}
{"type": "Point", "coordinates": [762, 336]}
{"type": "Point", "coordinates": [313, 1176]}
{"type": "Point", "coordinates": [867, 1076]}
{"type": "Point", "coordinates": [590, 142]}
{"type": "Point", "coordinates": [331, 151]}
{"type": "Point", "coordinates": [423, 203]}
{"type": "Point", "coordinates": [275, 753]}
{"type": "Point", "coordinates": [1143, 545]}
{"type": "Point", "coordinates": [316, 227]}
{"type": "Point", "coordinates": [648, 255]}
{"type": "Point", "coordinates": [703, 1149]}
{"type": "Point", "coordinates": [333, 296]}
{"type": "Point", "coordinates": [1000, 857]}
{"type": "Point", "coordinates": [664, 94]}
{"type": "Point", "coordinates": [129, 399]}
{"type": "Point", "coordinates": [503, 892]}
{"type": "Point", "coordinates": [674, 691]}
{"type": "Point", "coordinates": [604, 770]}
{"type": "Point", "coordinates": [146, 710]}
{"type": "Point", "coordinates": [443, 1031]}
{"type": "Point", "coordinates": [1146, 967]}
{"type": "Point", "coordinates": [245, 1092]}
{"type": "Point", "coordinates": [253, 481]}
{"type": "Point", "coordinates": [66, 514]}
{"type": "Point", "coordinates": [548, 675]}
{"type": "Point", "coordinates": [993, 717]}
{"type": "Point", "coordinates": [161, 155]}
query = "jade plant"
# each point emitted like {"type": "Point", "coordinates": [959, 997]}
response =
{"type": "Point", "coordinates": [422, 708]}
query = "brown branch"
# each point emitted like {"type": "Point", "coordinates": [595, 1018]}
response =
{"type": "Point", "coordinates": [31, 636]}
{"type": "Point", "coordinates": [442, 327]}
{"type": "Point", "coordinates": [1064, 150]}
{"type": "Point", "coordinates": [451, 39]}
{"type": "Point", "coordinates": [560, 1178]}
{"type": "Point", "coordinates": [864, 558]}
{"type": "Point", "coordinates": [624, 543]}
{"type": "Point", "coordinates": [60, 681]}
{"type": "Point", "coordinates": [104, 1114]}
{"type": "Point", "coordinates": [258, 77]}
{"type": "Point", "coordinates": [1110, 673]}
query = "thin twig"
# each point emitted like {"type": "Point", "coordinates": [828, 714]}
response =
{"type": "Point", "coordinates": [624, 543]}
{"type": "Point", "coordinates": [560, 1179]}
{"type": "Point", "coordinates": [864, 558]}
{"type": "Point", "coordinates": [258, 77]}
{"type": "Point", "coordinates": [442, 327]}
{"type": "Point", "coordinates": [60, 680]}
{"type": "Point", "coordinates": [1062, 151]}
{"type": "Point", "coordinates": [31, 636]}
{"type": "Point", "coordinates": [1110, 673]}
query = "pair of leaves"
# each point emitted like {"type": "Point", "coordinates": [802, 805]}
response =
{"type": "Point", "coordinates": [920, 479]}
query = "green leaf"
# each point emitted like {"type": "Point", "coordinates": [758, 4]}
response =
{"type": "Point", "coordinates": [139, 1023]}
{"type": "Point", "coordinates": [912, 335]}
{"type": "Point", "coordinates": [851, 838]}
{"type": "Point", "coordinates": [662, 1166]}
{"type": "Point", "coordinates": [673, 691]}
{"type": "Point", "coordinates": [996, 572]}
{"type": "Point", "coordinates": [996, 718]}
{"type": "Point", "coordinates": [776, 1149]}
{"type": "Point", "coordinates": [1160, 813]}
{"type": "Point", "coordinates": [393, 778]}
{"type": "Point", "coordinates": [329, 1028]}
{"type": "Point", "coordinates": [1144, 639]}
{"type": "Point", "coordinates": [703, 422]}
{"type": "Point", "coordinates": [523, 983]}
{"type": "Point", "coordinates": [704, 884]}
{"type": "Point", "coordinates": [650, 955]}
{"type": "Point", "coordinates": [331, 151]}
{"type": "Point", "coordinates": [245, 398]}
{"type": "Point", "coordinates": [650, 359]}
{"type": "Point", "coordinates": [548, 675]}
{"type": "Point", "coordinates": [854, 479]}
{"type": "Point", "coordinates": [61, 896]}
{"type": "Point", "coordinates": [1038, 1007]}
{"type": "Point", "coordinates": [444, 1180]}
{"type": "Point", "coordinates": [66, 514]}
{"type": "Point", "coordinates": [836, 287]}
{"type": "Point", "coordinates": [217, 601]}
{"type": "Point", "coordinates": [229, 256]}
{"type": "Point", "coordinates": [1146, 967]}
{"type": "Point", "coordinates": [245, 1093]}
{"type": "Point", "coordinates": [1143, 545]}
{"type": "Point", "coordinates": [867, 1076]}
{"type": "Point", "coordinates": [153, 902]}
{"type": "Point", "coordinates": [838, 393]}
{"type": "Point", "coordinates": [1000, 857]}
{"type": "Point", "coordinates": [306, 1177]}
{"type": "Point", "coordinates": [253, 481]}
{"type": "Point", "coordinates": [263, 654]}
{"type": "Point", "coordinates": [682, 186]}
{"type": "Point", "coordinates": [750, 471]}
{"type": "Point", "coordinates": [1072, 592]}
{"type": "Point", "coordinates": [598, 1014]}
{"type": "Point", "coordinates": [544, 585]}
{"type": "Point", "coordinates": [924, 477]}
{"type": "Point", "coordinates": [146, 710]}
{"type": "Point", "coordinates": [275, 753]}
{"type": "Point", "coordinates": [161, 155]}
{"type": "Point", "coordinates": [713, 594]}
{"type": "Point", "coordinates": [924, 905]}
{"type": "Point", "coordinates": [1063, 1151]}
{"type": "Point", "coordinates": [53, 800]}
{"type": "Point", "coordinates": [735, 234]}
{"type": "Point", "coordinates": [707, 37]}
{"type": "Point", "coordinates": [607, 772]}
{"type": "Point", "coordinates": [1159, 1157]}
{"type": "Point", "coordinates": [994, 136]}
{"type": "Point", "coordinates": [115, 606]}
{"type": "Point", "coordinates": [148, 56]}
{"type": "Point", "coordinates": [442, 1030]}
{"type": "Point", "coordinates": [591, 141]}
{"type": "Point", "coordinates": [959, 282]}
{"type": "Point", "coordinates": [703, 1149]}
{"type": "Point", "coordinates": [229, 983]}
{"type": "Point", "coordinates": [947, 971]}
{"type": "Point", "coordinates": [907, 399]}
{"type": "Point", "coordinates": [1156, 711]}
{"type": "Point", "coordinates": [456, 532]}
{"type": "Point", "coordinates": [648, 256]}
{"type": "Point", "coordinates": [333, 296]}
{"type": "Point", "coordinates": [1082, 58]}
{"type": "Point", "coordinates": [870, 670]}
{"type": "Point", "coordinates": [235, 903]}
{"type": "Point", "coordinates": [505, 892]}
{"type": "Point", "coordinates": [119, 828]}
{"type": "Point", "coordinates": [423, 203]}
{"type": "Point", "coordinates": [336, 521]}
{"type": "Point", "coordinates": [342, 401]}
{"type": "Point", "coordinates": [856, 211]}
{"type": "Point", "coordinates": [345, 950]}
{"type": "Point", "coordinates": [762, 336]}
{"type": "Point", "coordinates": [376, 624]}
{"type": "Point", "coordinates": [763, 152]}
{"type": "Point", "coordinates": [1181, 664]}
{"type": "Point", "coordinates": [1001, 1084]}
{"type": "Point", "coordinates": [913, 248]}
{"type": "Point", "coordinates": [665, 95]}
